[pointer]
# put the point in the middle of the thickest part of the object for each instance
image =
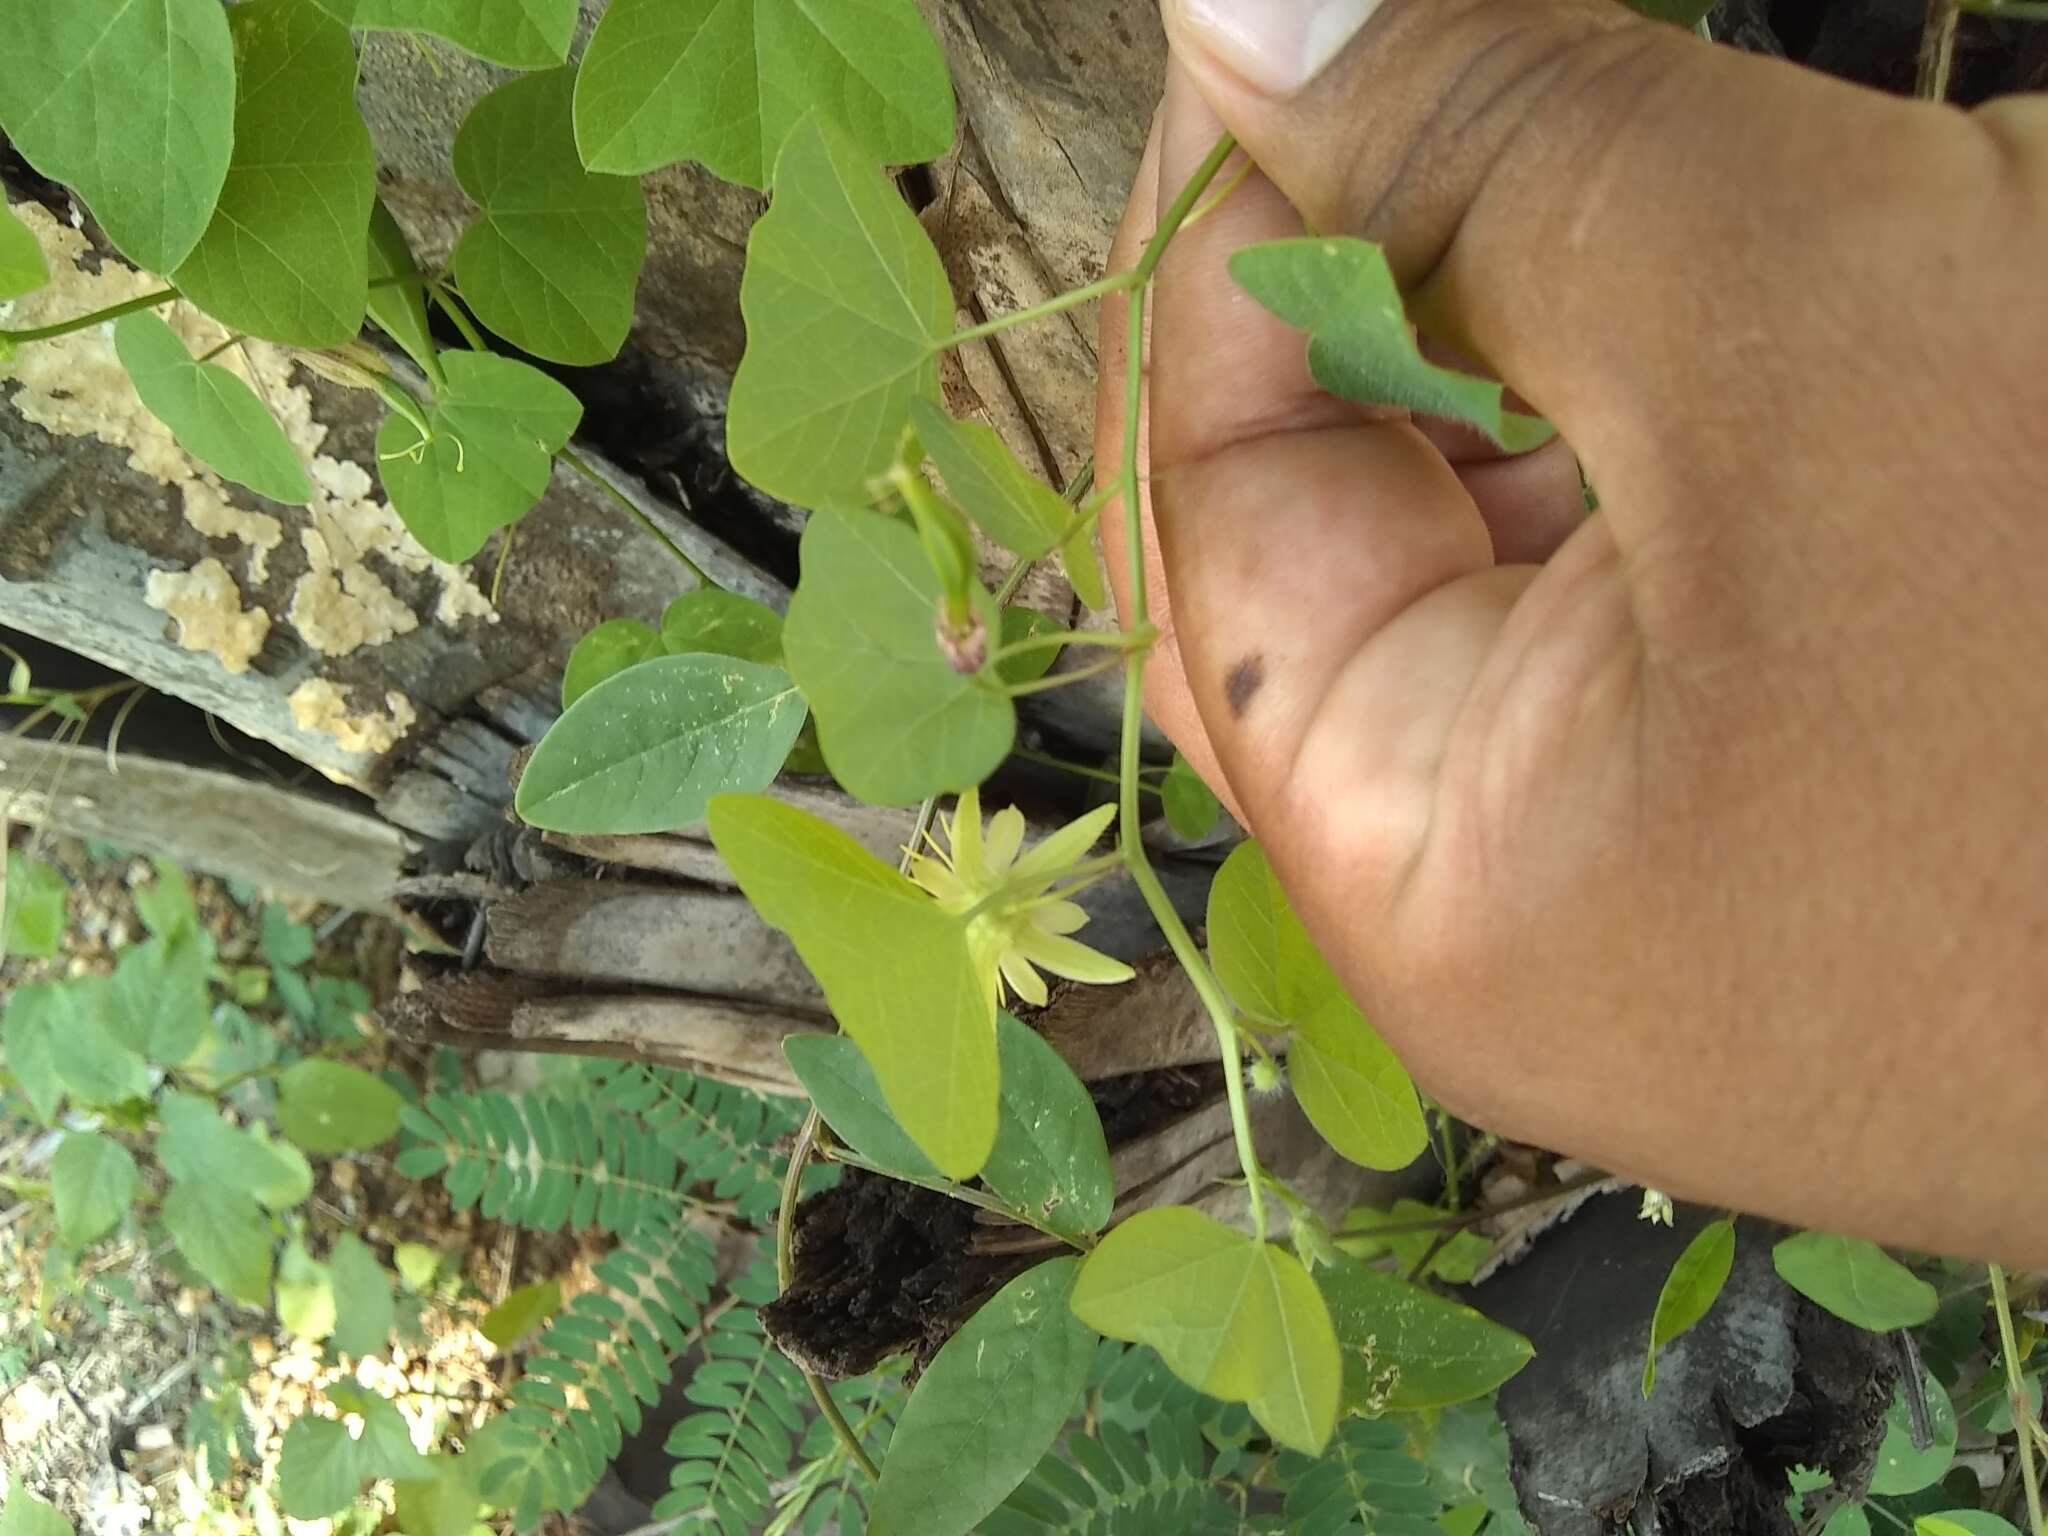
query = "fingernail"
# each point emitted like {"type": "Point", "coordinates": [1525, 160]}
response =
{"type": "Point", "coordinates": [1278, 46]}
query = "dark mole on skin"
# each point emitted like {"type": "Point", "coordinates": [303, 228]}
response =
{"type": "Point", "coordinates": [1243, 681]}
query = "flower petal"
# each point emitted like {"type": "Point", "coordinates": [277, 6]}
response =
{"type": "Point", "coordinates": [1069, 958]}
{"type": "Point", "coordinates": [1056, 916]}
{"type": "Point", "coordinates": [1005, 837]}
{"type": "Point", "coordinates": [963, 835]}
{"type": "Point", "coordinates": [1064, 848]}
{"type": "Point", "coordinates": [932, 875]}
{"type": "Point", "coordinates": [1023, 980]}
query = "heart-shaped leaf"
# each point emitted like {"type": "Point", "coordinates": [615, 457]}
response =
{"type": "Point", "coordinates": [1050, 1160]}
{"type": "Point", "coordinates": [1361, 345]}
{"type": "Point", "coordinates": [1854, 1279]}
{"type": "Point", "coordinates": [646, 750]}
{"type": "Point", "coordinates": [986, 1409]}
{"type": "Point", "coordinates": [1407, 1349]}
{"type": "Point", "coordinates": [846, 304]}
{"type": "Point", "coordinates": [896, 722]}
{"type": "Point", "coordinates": [722, 624]}
{"type": "Point", "coordinates": [552, 261]}
{"type": "Point", "coordinates": [22, 268]}
{"type": "Point", "coordinates": [1009, 503]}
{"type": "Point", "coordinates": [131, 104]}
{"type": "Point", "coordinates": [724, 82]}
{"type": "Point", "coordinates": [1690, 1290]}
{"type": "Point", "coordinates": [873, 940]}
{"type": "Point", "coordinates": [496, 430]}
{"type": "Point", "coordinates": [520, 34]}
{"type": "Point", "coordinates": [93, 1182]}
{"type": "Point", "coordinates": [286, 256]}
{"type": "Point", "coordinates": [214, 415]}
{"type": "Point", "coordinates": [1231, 1316]}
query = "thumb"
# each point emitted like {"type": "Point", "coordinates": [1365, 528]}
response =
{"type": "Point", "coordinates": [1627, 224]}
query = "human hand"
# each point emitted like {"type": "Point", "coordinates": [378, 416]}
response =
{"type": "Point", "coordinates": [1697, 836]}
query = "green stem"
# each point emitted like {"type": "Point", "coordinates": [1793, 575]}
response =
{"type": "Point", "coordinates": [1118, 639]}
{"type": "Point", "coordinates": [400, 399]}
{"type": "Point", "coordinates": [1082, 770]}
{"type": "Point", "coordinates": [86, 322]}
{"type": "Point", "coordinates": [211, 354]}
{"type": "Point", "coordinates": [458, 317]}
{"type": "Point", "coordinates": [1063, 679]}
{"type": "Point", "coordinates": [1074, 298]}
{"type": "Point", "coordinates": [2016, 1390]}
{"type": "Point", "coordinates": [1472, 1218]}
{"type": "Point", "coordinates": [1449, 1155]}
{"type": "Point", "coordinates": [571, 459]}
{"type": "Point", "coordinates": [960, 1192]}
{"type": "Point", "coordinates": [1132, 846]}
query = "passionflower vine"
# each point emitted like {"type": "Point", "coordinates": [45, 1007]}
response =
{"type": "Point", "coordinates": [1018, 912]}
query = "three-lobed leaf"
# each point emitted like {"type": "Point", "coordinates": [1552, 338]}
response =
{"type": "Point", "coordinates": [873, 940]}
{"type": "Point", "coordinates": [92, 1182]}
{"type": "Point", "coordinates": [1854, 1279]}
{"type": "Point", "coordinates": [131, 104]}
{"type": "Point", "coordinates": [1050, 1160]}
{"type": "Point", "coordinates": [986, 1409]}
{"type": "Point", "coordinates": [22, 268]}
{"type": "Point", "coordinates": [846, 306]}
{"type": "Point", "coordinates": [1407, 1349]}
{"type": "Point", "coordinates": [725, 82]}
{"type": "Point", "coordinates": [850, 1100]}
{"type": "Point", "coordinates": [895, 721]}
{"type": "Point", "coordinates": [552, 261]}
{"type": "Point", "coordinates": [325, 1107]}
{"type": "Point", "coordinates": [213, 414]}
{"type": "Point", "coordinates": [1351, 1086]}
{"type": "Point", "coordinates": [1009, 503]}
{"type": "Point", "coordinates": [646, 750]}
{"type": "Point", "coordinates": [1690, 1290]}
{"type": "Point", "coordinates": [1231, 1316]}
{"type": "Point", "coordinates": [1361, 346]}
{"type": "Point", "coordinates": [496, 428]}
{"type": "Point", "coordinates": [520, 34]}
{"type": "Point", "coordinates": [286, 256]}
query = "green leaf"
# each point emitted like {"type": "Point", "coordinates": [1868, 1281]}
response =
{"type": "Point", "coordinates": [35, 1017]}
{"type": "Point", "coordinates": [1192, 808]}
{"type": "Point", "coordinates": [328, 1106]}
{"type": "Point", "coordinates": [1231, 1316]}
{"type": "Point", "coordinates": [442, 1503]}
{"type": "Point", "coordinates": [224, 1235]}
{"type": "Point", "coordinates": [552, 261]}
{"type": "Point", "coordinates": [285, 943]}
{"type": "Point", "coordinates": [1361, 346]}
{"type": "Point", "coordinates": [849, 1099]}
{"type": "Point", "coordinates": [646, 751]}
{"type": "Point", "coordinates": [319, 1470]}
{"type": "Point", "coordinates": [1849, 1520]}
{"type": "Point", "coordinates": [846, 304]}
{"type": "Point", "coordinates": [1854, 1279]}
{"type": "Point", "coordinates": [520, 34]}
{"type": "Point", "coordinates": [1009, 503]}
{"type": "Point", "coordinates": [873, 939]}
{"type": "Point", "coordinates": [986, 1409]}
{"type": "Point", "coordinates": [722, 624]}
{"type": "Point", "coordinates": [521, 1312]}
{"type": "Point", "coordinates": [305, 1294]}
{"type": "Point", "coordinates": [1050, 1160]}
{"type": "Point", "coordinates": [130, 103]}
{"type": "Point", "coordinates": [1964, 1522]}
{"type": "Point", "coordinates": [1901, 1467]}
{"type": "Point", "coordinates": [1690, 1290]}
{"type": "Point", "coordinates": [1026, 666]}
{"type": "Point", "coordinates": [364, 1312]}
{"type": "Point", "coordinates": [22, 268]}
{"type": "Point", "coordinates": [93, 1181]}
{"type": "Point", "coordinates": [27, 1515]}
{"type": "Point", "coordinates": [165, 904]}
{"type": "Point", "coordinates": [417, 1265]}
{"type": "Point", "coordinates": [1407, 1349]}
{"type": "Point", "coordinates": [604, 653]}
{"type": "Point", "coordinates": [496, 430]}
{"type": "Point", "coordinates": [160, 1001]}
{"type": "Point", "coordinates": [34, 913]}
{"type": "Point", "coordinates": [214, 415]}
{"type": "Point", "coordinates": [1353, 1089]}
{"type": "Point", "coordinates": [91, 1061]}
{"type": "Point", "coordinates": [197, 1146]}
{"type": "Point", "coordinates": [895, 721]}
{"type": "Point", "coordinates": [287, 254]}
{"type": "Point", "coordinates": [399, 309]}
{"type": "Point", "coordinates": [725, 82]}
{"type": "Point", "coordinates": [385, 1447]}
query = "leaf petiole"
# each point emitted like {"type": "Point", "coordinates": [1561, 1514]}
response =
{"type": "Point", "coordinates": [86, 322]}
{"type": "Point", "coordinates": [1116, 639]}
{"type": "Point", "coordinates": [1074, 298]}
{"type": "Point", "coordinates": [457, 316]}
{"type": "Point", "coordinates": [1063, 679]}
{"type": "Point", "coordinates": [2016, 1391]}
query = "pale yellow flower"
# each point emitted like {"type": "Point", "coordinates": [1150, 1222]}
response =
{"type": "Point", "coordinates": [1021, 918]}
